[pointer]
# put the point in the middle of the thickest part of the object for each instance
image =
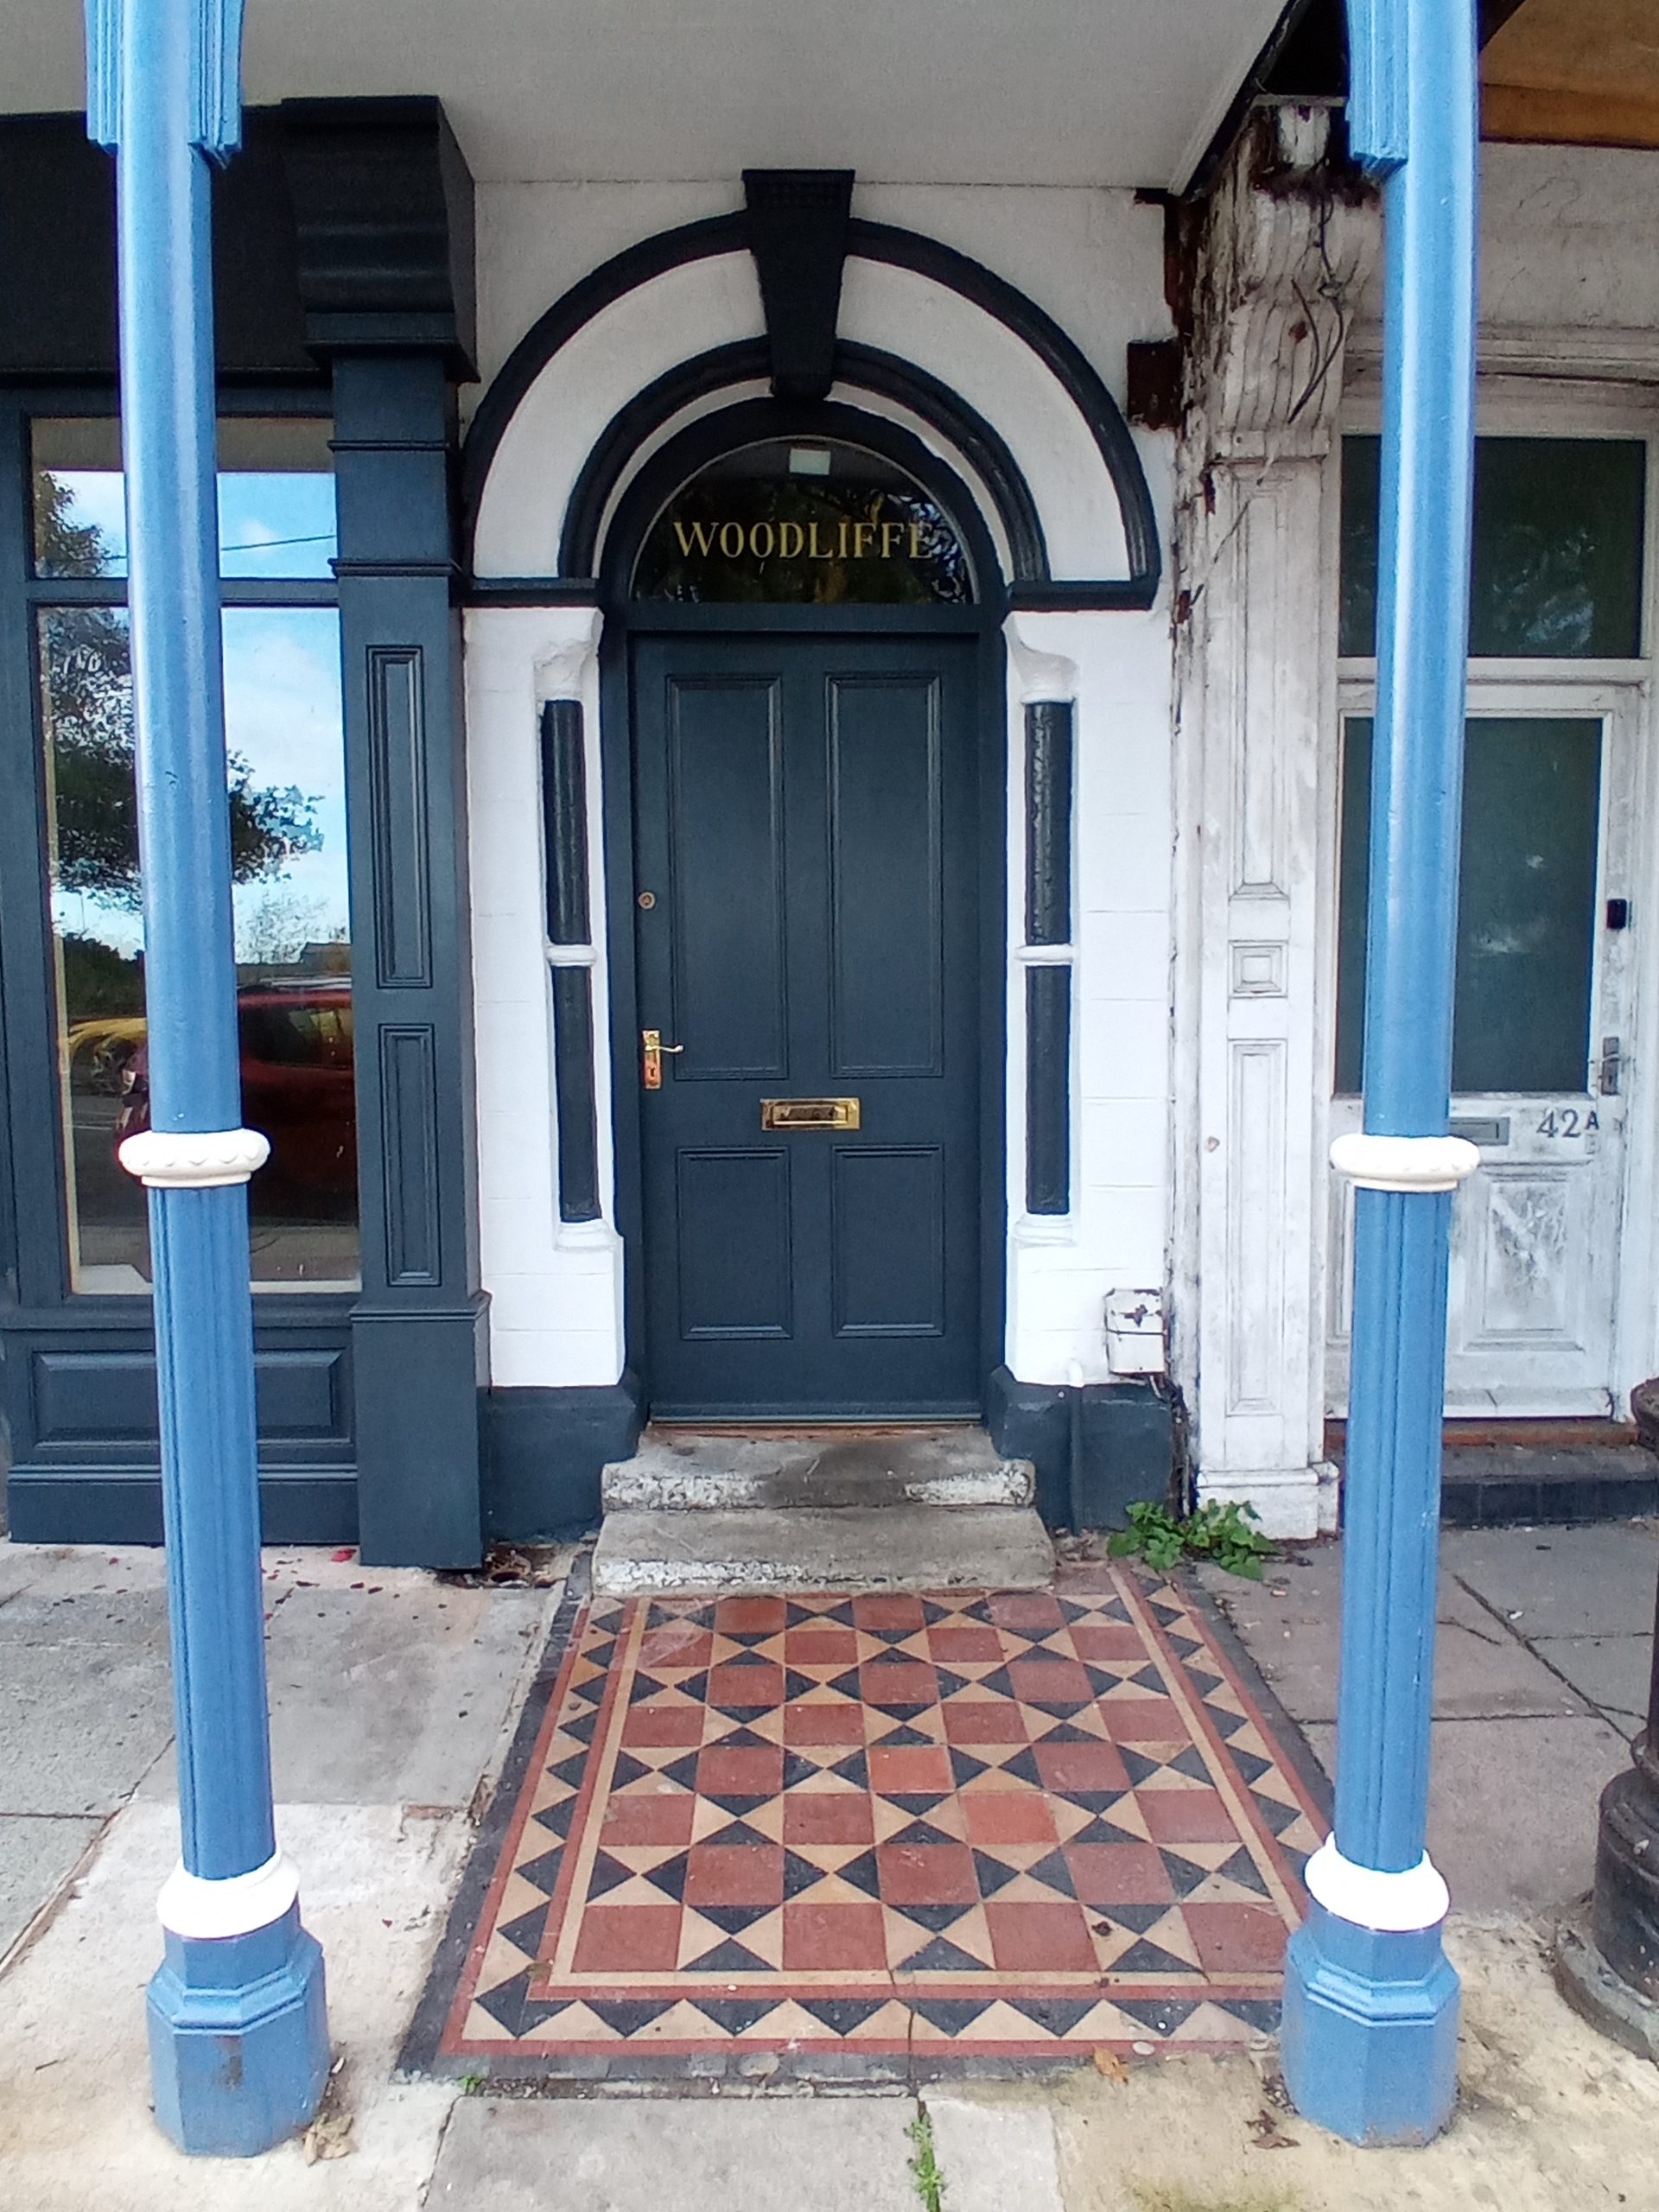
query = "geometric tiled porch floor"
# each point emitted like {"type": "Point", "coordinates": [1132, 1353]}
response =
{"type": "Point", "coordinates": [876, 1838]}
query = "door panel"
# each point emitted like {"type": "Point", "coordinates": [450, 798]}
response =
{"type": "Point", "coordinates": [806, 857]}
{"type": "Point", "coordinates": [1540, 983]}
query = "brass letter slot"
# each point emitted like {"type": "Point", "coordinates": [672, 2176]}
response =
{"type": "Point", "coordinates": [809, 1113]}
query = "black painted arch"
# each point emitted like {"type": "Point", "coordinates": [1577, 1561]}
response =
{"type": "Point", "coordinates": [858, 369]}
{"type": "Point", "coordinates": [715, 235]}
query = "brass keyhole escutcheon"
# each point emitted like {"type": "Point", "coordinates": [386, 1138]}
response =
{"type": "Point", "coordinates": [651, 1049]}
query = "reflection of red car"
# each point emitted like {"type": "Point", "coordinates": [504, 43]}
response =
{"type": "Point", "coordinates": [298, 1086]}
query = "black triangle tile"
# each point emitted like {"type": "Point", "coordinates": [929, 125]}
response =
{"type": "Point", "coordinates": [1061, 1708]}
{"type": "Point", "coordinates": [571, 1769]}
{"type": "Point", "coordinates": [606, 1874]}
{"type": "Point", "coordinates": [1095, 1801]}
{"type": "Point", "coordinates": [1228, 1724]}
{"type": "Point", "coordinates": [916, 1802]}
{"type": "Point", "coordinates": [936, 1918]}
{"type": "Point", "coordinates": [542, 1873]}
{"type": "Point", "coordinates": [728, 1958]}
{"type": "Point", "coordinates": [951, 1684]}
{"type": "Point", "coordinates": [581, 1726]}
{"type": "Point", "coordinates": [732, 1919]}
{"type": "Point", "coordinates": [906, 1735]}
{"type": "Point", "coordinates": [1163, 2015]}
{"type": "Point", "coordinates": [899, 1705]}
{"type": "Point", "coordinates": [991, 1874]}
{"type": "Point", "coordinates": [628, 1769]}
{"type": "Point", "coordinates": [1078, 1609]}
{"type": "Point", "coordinates": [526, 1932]}
{"type": "Point", "coordinates": [920, 1832]}
{"type": "Point", "coordinates": [940, 1957]}
{"type": "Point", "coordinates": [997, 1683]}
{"type": "Point", "coordinates": [1054, 1872]}
{"type": "Point", "coordinates": [1066, 1733]}
{"type": "Point", "coordinates": [1024, 1768]}
{"type": "Point", "coordinates": [1242, 1868]}
{"type": "Point", "coordinates": [1135, 1919]}
{"type": "Point", "coordinates": [745, 1740]}
{"type": "Point", "coordinates": [1153, 1962]}
{"type": "Point", "coordinates": [1147, 1678]}
{"type": "Point", "coordinates": [1260, 2013]}
{"type": "Point", "coordinates": [863, 1873]}
{"type": "Point", "coordinates": [627, 2016]}
{"type": "Point", "coordinates": [1250, 1766]}
{"type": "Point", "coordinates": [1098, 1829]}
{"type": "Point", "coordinates": [855, 1768]}
{"type": "Point", "coordinates": [797, 1769]}
{"type": "Point", "coordinates": [1056, 2015]}
{"type": "Point", "coordinates": [841, 2015]}
{"type": "Point", "coordinates": [1190, 1764]}
{"type": "Point", "coordinates": [964, 1766]}
{"type": "Point", "coordinates": [512, 2007]}
{"type": "Point", "coordinates": [739, 1802]}
{"type": "Point", "coordinates": [681, 1772]}
{"type": "Point", "coordinates": [933, 1613]}
{"type": "Point", "coordinates": [747, 1638]}
{"type": "Point", "coordinates": [950, 2015]}
{"type": "Point", "coordinates": [890, 1636]}
{"type": "Point", "coordinates": [670, 1876]}
{"type": "Point", "coordinates": [1184, 1876]}
{"type": "Point", "coordinates": [800, 1874]}
{"type": "Point", "coordinates": [1137, 1765]}
{"type": "Point", "coordinates": [797, 1685]}
{"type": "Point", "coordinates": [735, 2015]}
{"type": "Point", "coordinates": [555, 1819]}
{"type": "Point", "coordinates": [695, 1686]}
{"type": "Point", "coordinates": [847, 1685]}
{"type": "Point", "coordinates": [1277, 1817]}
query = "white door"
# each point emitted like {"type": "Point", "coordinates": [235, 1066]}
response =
{"type": "Point", "coordinates": [1542, 1057]}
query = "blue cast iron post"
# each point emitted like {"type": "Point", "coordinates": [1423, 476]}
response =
{"type": "Point", "coordinates": [237, 2030]}
{"type": "Point", "coordinates": [1370, 2002]}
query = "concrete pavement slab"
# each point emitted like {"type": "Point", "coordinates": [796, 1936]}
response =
{"type": "Point", "coordinates": [1596, 1581]}
{"type": "Point", "coordinates": [1512, 1807]}
{"type": "Point", "coordinates": [84, 1723]}
{"type": "Point", "coordinates": [773, 2154]}
{"type": "Point", "coordinates": [37, 1853]}
{"type": "Point", "coordinates": [1291, 1623]}
{"type": "Point", "coordinates": [994, 2156]}
{"type": "Point", "coordinates": [1551, 2115]}
{"type": "Point", "coordinates": [75, 2130]}
{"type": "Point", "coordinates": [1611, 1671]}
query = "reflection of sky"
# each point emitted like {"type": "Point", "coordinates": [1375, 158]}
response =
{"type": "Point", "coordinates": [269, 525]}
{"type": "Point", "coordinates": [283, 715]}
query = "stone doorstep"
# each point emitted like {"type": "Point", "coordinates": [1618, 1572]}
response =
{"type": "Point", "coordinates": [953, 1466]}
{"type": "Point", "coordinates": [851, 1548]}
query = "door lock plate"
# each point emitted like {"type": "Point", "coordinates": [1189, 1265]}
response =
{"type": "Point", "coordinates": [809, 1113]}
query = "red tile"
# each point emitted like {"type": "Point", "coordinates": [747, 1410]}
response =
{"type": "Point", "coordinates": [1098, 1640]}
{"type": "Point", "coordinates": [812, 1648]}
{"type": "Point", "coordinates": [673, 1724]}
{"type": "Point", "coordinates": [1006, 1816]}
{"type": "Point", "coordinates": [743, 1686]}
{"type": "Point", "coordinates": [1187, 1816]}
{"type": "Point", "coordinates": [740, 1873]}
{"type": "Point", "coordinates": [1144, 1720]}
{"type": "Point", "coordinates": [840, 1723]}
{"type": "Point", "coordinates": [630, 1821]}
{"type": "Point", "coordinates": [1237, 1938]}
{"type": "Point", "coordinates": [1039, 1938]}
{"type": "Point", "coordinates": [628, 1939]}
{"type": "Point", "coordinates": [828, 1816]}
{"type": "Point", "coordinates": [750, 1616]}
{"type": "Point", "coordinates": [907, 1770]}
{"type": "Point", "coordinates": [1033, 1612]}
{"type": "Point", "coordinates": [1050, 1680]}
{"type": "Point", "coordinates": [743, 1770]}
{"type": "Point", "coordinates": [676, 1646]}
{"type": "Point", "coordinates": [983, 1720]}
{"type": "Point", "coordinates": [833, 1938]}
{"type": "Point", "coordinates": [898, 1682]}
{"type": "Point", "coordinates": [1066, 1767]}
{"type": "Point", "coordinates": [927, 1873]}
{"type": "Point", "coordinates": [1105, 1874]}
{"type": "Point", "coordinates": [894, 1610]}
{"type": "Point", "coordinates": [963, 1644]}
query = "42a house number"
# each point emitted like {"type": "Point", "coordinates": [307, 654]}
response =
{"type": "Point", "coordinates": [1569, 1122]}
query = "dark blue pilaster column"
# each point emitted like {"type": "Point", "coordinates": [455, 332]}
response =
{"type": "Point", "coordinates": [1370, 2002]}
{"type": "Point", "coordinates": [239, 2037]}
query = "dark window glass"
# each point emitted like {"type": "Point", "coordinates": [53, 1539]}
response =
{"type": "Point", "coordinates": [1526, 909]}
{"type": "Point", "coordinates": [1557, 568]}
{"type": "Point", "coordinates": [287, 800]}
{"type": "Point", "coordinates": [797, 525]}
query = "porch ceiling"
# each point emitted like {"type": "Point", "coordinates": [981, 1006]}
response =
{"type": "Point", "coordinates": [931, 91]}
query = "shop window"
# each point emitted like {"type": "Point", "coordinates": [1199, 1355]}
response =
{"type": "Point", "coordinates": [287, 802]}
{"type": "Point", "coordinates": [790, 524]}
{"type": "Point", "coordinates": [1527, 903]}
{"type": "Point", "coordinates": [1557, 554]}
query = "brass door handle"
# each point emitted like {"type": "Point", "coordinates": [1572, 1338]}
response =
{"type": "Point", "coordinates": [651, 1049]}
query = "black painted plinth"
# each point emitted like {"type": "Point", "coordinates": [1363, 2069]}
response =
{"type": "Point", "coordinates": [1097, 1450]}
{"type": "Point", "coordinates": [543, 1453]}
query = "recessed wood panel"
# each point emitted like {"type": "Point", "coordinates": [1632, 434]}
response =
{"type": "Point", "coordinates": [733, 1222]}
{"type": "Point", "coordinates": [726, 856]}
{"type": "Point", "coordinates": [109, 1397]}
{"type": "Point", "coordinates": [887, 956]}
{"type": "Point", "coordinates": [887, 1242]}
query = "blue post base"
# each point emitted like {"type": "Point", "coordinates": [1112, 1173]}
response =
{"type": "Point", "coordinates": [239, 2039]}
{"type": "Point", "coordinates": [1370, 2040]}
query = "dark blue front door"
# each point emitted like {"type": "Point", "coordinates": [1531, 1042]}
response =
{"type": "Point", "coordinates": [808, 938]}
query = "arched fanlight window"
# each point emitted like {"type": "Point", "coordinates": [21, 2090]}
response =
{"type": "Point", "coordinates": [799, 523]}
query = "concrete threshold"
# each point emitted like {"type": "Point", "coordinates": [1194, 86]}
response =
{"type": "Point", "coordinates": [822, 1548]}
